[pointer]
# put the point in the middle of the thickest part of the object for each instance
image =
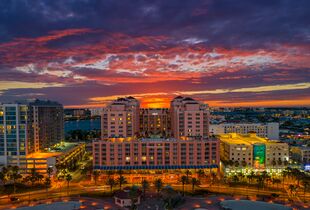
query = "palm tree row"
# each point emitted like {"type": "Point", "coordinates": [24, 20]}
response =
{"type": "Point", "coordinates": [12, 175]}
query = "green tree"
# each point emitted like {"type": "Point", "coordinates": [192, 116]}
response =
{"type": "Point", "coordinates": [188, 172]}
{"type": "Point", "coordinates": [292, 188]}
{"type": "Point", "coordinates": [276, 182]}
{"type": "Point", "coordinates": [49, 171]}
{"type": "Point", "coordinates": [47, 183]}
{"type": "Point", "coordinates": [184, 180]}
{"type": "Point", "coordinates": [145, 185]}
{"type": "Point", "coordinates": [111, 182]}
{"type": "Point", "coordinates": [96, 174]}
{"type": "Point", "coordinates": [306, 185]}
{"type": "Point", "coordinates": [4, 175]}
{"type": "Point", "coordinates": [250, 177]}
{"type": "Point", "coordinates": [15, 176]}
{"type": "Point", "coordinates": [133, 194]}
{"type": "Point", "coordinates": [68, 178]}
{"type": "Point", "coordinates": [201, 173]}
{"type": "Point", "coordinates": [158, 183]}
{"type": "Point", "coordinates": [195, 182]}
{"type": "Point", "coordinates": [121, 180]}
{"type": "Point", "coordinates": [34, 176]}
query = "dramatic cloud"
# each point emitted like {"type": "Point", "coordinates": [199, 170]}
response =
{"type": "Point", "coordinates": [86, 53]}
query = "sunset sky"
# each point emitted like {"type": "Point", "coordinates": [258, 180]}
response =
{"type": "Point", "coordinates": [85, 53]}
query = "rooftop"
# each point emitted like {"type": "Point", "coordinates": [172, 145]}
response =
{"type": "Point", "coordinates": [247, 139]}
{"type": "Point", "coordinates": [58, 150]}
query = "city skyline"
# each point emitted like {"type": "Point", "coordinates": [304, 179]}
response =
{"type": "Point", "coordinates": [88, 53]}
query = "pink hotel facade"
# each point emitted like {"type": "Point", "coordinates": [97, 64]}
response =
{"type": "Point", "coordinates": [186, 144]}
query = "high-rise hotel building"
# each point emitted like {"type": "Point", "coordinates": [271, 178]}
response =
{"type": "Point", "coordinates": [120, 118]}
{"type": "Point", "coordinates": [29, 127]}
{"type": "Point", "coordinates": [189, 147]}
{"type": "Point", "coordinates": [189, 118]}
{"type": "Point", "coordinates": [155, 122]}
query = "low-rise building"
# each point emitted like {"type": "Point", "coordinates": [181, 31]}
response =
{"type": "Point", "coordinates": [269, 130]}
{"type": "Point", "coordinates": [67, 155]}
{"type": "Point", "coordinates": [301, 154]}
{"type": "Point", "coordinates": [251, 151]}
{"type": "Point", "coordinates": [124, 198]}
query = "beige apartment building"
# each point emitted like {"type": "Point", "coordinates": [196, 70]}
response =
{"type": "Point", "coordinates": [120, 118]}
{"type": "Point", "coordinates": [252, 151]}
{"type": "Point", "coordinates": [189, 118]}
{"type": "Point", "coordinates": [155, 122]}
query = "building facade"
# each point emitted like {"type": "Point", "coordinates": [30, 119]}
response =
{"type": "Point", "coordinates": [29, 127]}
{"type": "Point", "coordinates": [167, 139]}
{"type": "Point", "coordinates": [13, 131]}
{"type": "Point", "coordinates": [123, 154]}
{"type": "Point", "coordinates": [301, 154]}
{"type": "Point", "coordinates": [269, 130]}
{"type": "Point", "coordinates": [189, 118]}
{"type": "Point", "coordinates": [249, 150]}
{"type": "Point", "coordinates": [47, 121]}
{"type": "Point", "coordinates": [120, 118]}
{"type": "Point", "coordinates": [155, 122]}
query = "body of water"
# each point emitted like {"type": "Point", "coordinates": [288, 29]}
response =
{"type": "Point", "coordinates": [85, 125]}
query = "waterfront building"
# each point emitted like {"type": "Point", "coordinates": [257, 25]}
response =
{"type": "Point", "coordinates": [251, 151]}
{"type": "Point", "coordinates": [95, 112]}
{"type": "Point", "coordinates": [189, 118]}
{"type": "Point", "coordinates": [155, 122]}
{"type": "Point", "coordinates": [120, 119]}
{"type": "Point", "coordinates": [269, 130]}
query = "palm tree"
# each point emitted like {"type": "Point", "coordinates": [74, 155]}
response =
{"type": "Point", "coordinates": [251, 176]}
{"type": "Point", "coordinates": [4, 175]}
{"type": "Point", "coordinates": [145, 185]}
{"type": "Point", "coordinates": [49, 171]}
{"type": "Point", "coordinates": [235, 178]}
{"type": "Point", "coordinates": [264, 176]}
{"type": "Point", "coordinates": [96, 174]}
{"type": "Point", "coordinates": [188, 172]}
{"type": "Point", "coordinates": [285, 173]}
{"type": "Point", "coordinates": [276, 181]}
{"type": "Point", "coordinates": [292, 188]}
{"type": "Point", "coordinates": [195, 182]}
{"type": "Point", "coordinates": [68, 179]}
{"type": "Point", "coordinates": [47, 183]}
{"type": "Point", "coordinates": [158, 183]}
{"type": "Point", "coordinates": [200, 173]}
{"type": "Point", "coordinates": [306, 184]}
{"type": "Point", "coordinates": [183, 180]}
{"type": "Point", "coordinates": [14, 175]}
{"type": "Point", "coordinates": [33, 176]}
{"type": "Point", "coordinates": [111, 182]}
{"type": "Point", "coordinates": [133, 194]}
{"type": "Point", "coordinates": [121, 180]}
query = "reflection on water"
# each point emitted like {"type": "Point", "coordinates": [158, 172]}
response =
{"type": "Point", "coordinates": [82, 125]}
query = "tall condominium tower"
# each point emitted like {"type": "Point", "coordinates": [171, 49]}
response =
{"type": "Point", "coordinates": [189, 118]}
{"type": "Point", "coordinates": [29, 127]}
{"type": "Point", "coordinates": [13, 131]}
{"type": "Point", "coordinates": [47, 122]}
{"type": "Point", "coordinates": [120, 118]}
{"type": "Point", "coordinates": [155, 122]}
